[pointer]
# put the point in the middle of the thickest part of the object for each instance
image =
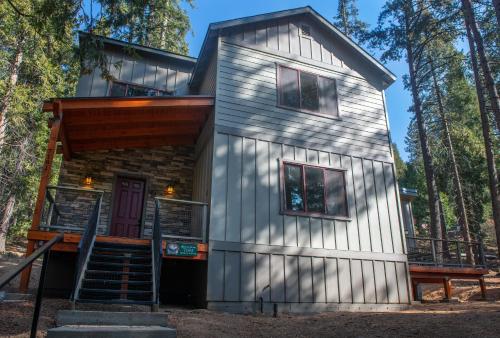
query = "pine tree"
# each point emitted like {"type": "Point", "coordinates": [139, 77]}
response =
{"type": "Point", "coordinates": [347, 19]}
{"type": "Point", "coordinates": [477, 39]}
{"type": "Point", "coordinates": [400, 29]}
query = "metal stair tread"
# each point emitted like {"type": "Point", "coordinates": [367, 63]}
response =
{"type": "Point", "coordinates": [93, 256]}
{"type": "Point", "coordinates": [132, 273]}
{"type": "Point", "coordinates": [121, 245]}
{"type": "Point", "coordinates": [132, 265]}
{"type": "Point", "coordinates": [113, 291]}
{"type": "Point", "coordinates": [125, 250]}
{"type": "Point", "coordinates": [114, 281]}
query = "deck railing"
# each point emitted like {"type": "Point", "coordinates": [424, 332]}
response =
{"type": "Point", "coordinates": [182, 219]}
{"type": "Point", "coordinates": [67, 208]}
{"type": "Point", "coordinates": [157, 248]}
{"type": "Point", "coordinates": [439, 252]}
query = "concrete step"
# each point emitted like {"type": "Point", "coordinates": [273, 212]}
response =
{"type": "Point", "coordinates": [73, 317]}
{"type": "Point", "coordinates": [10, 297]}
{"type": "Point", "coordinates": [111, 331]}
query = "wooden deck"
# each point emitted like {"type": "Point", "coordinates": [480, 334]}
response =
{"type": "Point", "coordinates": [426, 274]}
{"type": "Point", "coordinates": [71, 240]}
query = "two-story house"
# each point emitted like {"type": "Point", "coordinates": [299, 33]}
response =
{"type": "Point", "coordinates": [260, 172]}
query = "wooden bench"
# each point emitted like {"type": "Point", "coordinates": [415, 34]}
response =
{"type": "Point", "coordinates": [436, 274]}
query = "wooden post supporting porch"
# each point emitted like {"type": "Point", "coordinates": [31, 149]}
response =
{"type": "Point", "coordinates": [55, 126]}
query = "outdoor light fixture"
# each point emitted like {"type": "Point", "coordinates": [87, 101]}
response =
{"type": "Point", "coordinates": [169, 190]}
{"type": "Point", "coordinates": [87, 181]}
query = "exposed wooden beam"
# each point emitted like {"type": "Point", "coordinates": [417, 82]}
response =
{"type": "Point", "coordinates": [126, 125]}
{"type": "Point", "coordinates": [133, 102]}
{"type": "Point", "coordinates": [42, 190]}
{"type": "Point", "coordinates": [123, 143]}
{"type": "Point", "coordinates": [108, 133]}
{"type": "Point", "coordinates": [63, 136]}
{"type": "Point", "coordinates": [92, 117]}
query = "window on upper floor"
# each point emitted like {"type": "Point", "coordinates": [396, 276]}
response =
{"type": "Point", "coordinates": [307, 91]}
{"type": "Point", "coordinates": [127, 89]}
{"type": "Point", "coordinates": [313, 190]}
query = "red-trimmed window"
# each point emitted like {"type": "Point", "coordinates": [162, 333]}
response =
{"type": "Point", "coordinates": [313, 190]}
{"type": "Point", "coordinates": [122, 89]}
{"type": "Point", "coordinates": [307, 91]}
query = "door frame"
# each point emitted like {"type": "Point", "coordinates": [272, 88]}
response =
{"type": "Point", "coordinates": [132, 176]}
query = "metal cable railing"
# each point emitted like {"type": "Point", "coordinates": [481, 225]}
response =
{"type": "Point", "coordinates": [68, 208]}
{"type": "Point", "coordinates": [157, 254]}
{"type": "Point", "coordinates": [85, 246]}
{"type": "Point", "coordinates": [182, 219]}
{"type": "Point", "coordinates": [440, 252]}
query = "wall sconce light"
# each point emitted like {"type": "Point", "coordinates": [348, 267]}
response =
{"type": "Point", "coordinates": [169, 190]}
{"type": "Point", "coordinates": [87, 181]}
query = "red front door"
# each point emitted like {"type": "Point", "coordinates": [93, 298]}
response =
{"type": "Point", "coordinates": [127, 207]}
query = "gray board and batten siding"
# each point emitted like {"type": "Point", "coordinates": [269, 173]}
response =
{"type": "Point", "coordinates": [143, 68]}
{"type": "Point", "coordinates": [301, 263]}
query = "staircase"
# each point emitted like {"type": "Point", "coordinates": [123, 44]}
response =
{"type": "Point", "coordinates": [117, 273]}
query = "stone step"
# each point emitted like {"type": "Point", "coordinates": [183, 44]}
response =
{"type": "Point", "coordinates": [74, 317]}
{"type": "Point", "coordinates": [111, 331]}
{"type": "Point", "coordinates": [11, 297]}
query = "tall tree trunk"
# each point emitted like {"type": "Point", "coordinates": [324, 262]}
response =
{"type": "Point", "coordinates": [457, 182]}
{"type": "Point", "coordinates": [5, 222]}
{"type": "Point", "coordinates": [488, 143]}
{"type": "Point", "coordinates": [483, 60]}
{"type": "Point", "coordinates": [496, 4]}
{"type": "Point", "coordinates": [432, 189]}
{"type": "Point", "coordinates": [344, 17]}
{"type": "Point", "coordinates": [11, 86]}
{"type": "Point", "coordinates": [8, 210]}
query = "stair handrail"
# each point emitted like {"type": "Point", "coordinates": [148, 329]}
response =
{"type": "Point", "coordinates": [43, 250]}
{"type": "Point", "coordinates": [157, 254]}
{"type": "Point", "coordinates": [85, 246]}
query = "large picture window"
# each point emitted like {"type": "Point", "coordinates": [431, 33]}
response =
{"type": "Point", "coordinates": [121, 89]}
{"type": "Point", "coordinates": [307, 91]}
{"type": "Point", "coordinates": [313, 190]}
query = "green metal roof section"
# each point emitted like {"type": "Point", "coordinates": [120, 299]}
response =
{"type": "Point", "coordinates": [215, 28]}
{"type": "Point", "coordinates": [145, 49]}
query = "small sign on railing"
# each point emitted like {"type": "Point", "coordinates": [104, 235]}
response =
{"type": "Point", "coordinates": [181, 249]}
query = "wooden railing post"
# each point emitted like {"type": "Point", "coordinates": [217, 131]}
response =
{"type": "Point", "coordinates": [42, 189]}
{"type": "Point", "coordinates": [481, 252]}
{"type": "Point", "coordinates": [204, 221]}
{"type": "Point", "coordinates": [433, 248]}
{"type": "Point", "coordinates": [459, 253]}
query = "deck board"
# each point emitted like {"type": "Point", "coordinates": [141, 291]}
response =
{"type": "Point", "coordinates": [71, 240]}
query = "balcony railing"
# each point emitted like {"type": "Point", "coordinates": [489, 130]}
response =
{"type": "Point", "coordinates": [182, 219]}
{"type": "Point", "coordinates": [439, 252]}
{"type": "Point", "coordinates": [67, 208]}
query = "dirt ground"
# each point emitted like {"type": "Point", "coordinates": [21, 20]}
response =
{"type": "Point", "coordinates": [466, 317]}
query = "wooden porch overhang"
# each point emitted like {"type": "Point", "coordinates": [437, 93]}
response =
{"type": "Point", "coordinates": [99, 123]}
{"type": "Point", "coordinates": [71, 240]}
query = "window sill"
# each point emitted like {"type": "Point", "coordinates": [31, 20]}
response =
{"type": "Point", "coordinates": [315, 215]}
{"type": "Point", "coordinates": [331, 117]}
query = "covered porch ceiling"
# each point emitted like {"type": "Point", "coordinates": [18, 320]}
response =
{"type": "Point", "coordinates": [100, 123]}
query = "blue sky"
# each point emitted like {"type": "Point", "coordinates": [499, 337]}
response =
{"type": "Point", "coordinates": [207, 11]}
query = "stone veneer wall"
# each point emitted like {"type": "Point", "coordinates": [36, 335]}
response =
{"type": "Point", "coordinates": [157, 166]}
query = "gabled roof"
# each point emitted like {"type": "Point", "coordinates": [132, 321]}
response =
{"type": "Point", "coordinates": [214, 29]}
{"type": "Point", "coordinates": [137, 47]}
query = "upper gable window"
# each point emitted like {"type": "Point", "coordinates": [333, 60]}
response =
{"type": "Point", "coordinates": [305, 31]}
{"type": "Point", "coordinates": [307, 91]}
{"type": "Point", "coordinates": [122, 89]}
